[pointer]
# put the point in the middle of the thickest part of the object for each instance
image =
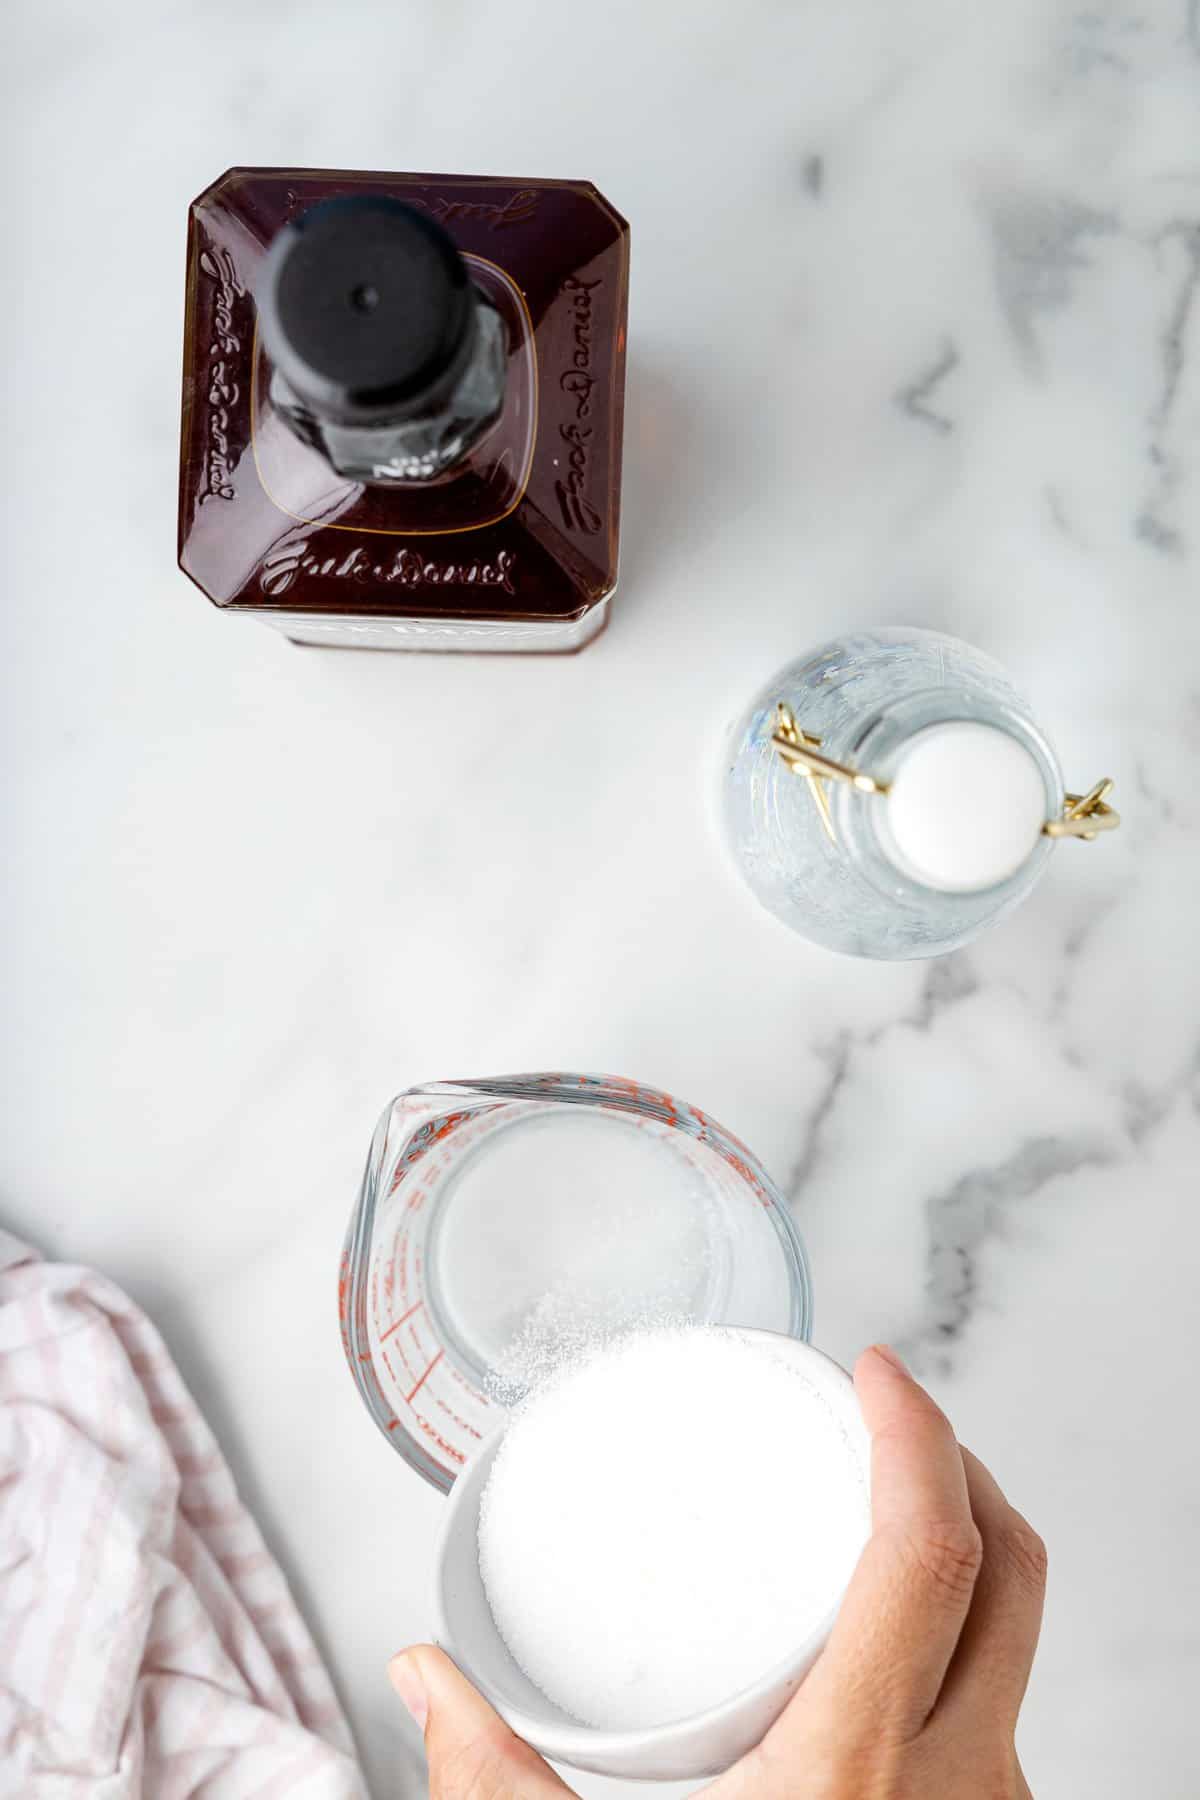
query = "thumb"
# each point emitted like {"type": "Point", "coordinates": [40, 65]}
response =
{"type": "Point", "coordinates": [472, 1754]}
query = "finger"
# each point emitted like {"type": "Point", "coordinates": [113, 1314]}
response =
{"type": "Point", "coordinates": [990, 1670]}
{"type": "Point", "coordinates": [909, 1597]}
{"type": "Point", "coordinates": [472, 1754]}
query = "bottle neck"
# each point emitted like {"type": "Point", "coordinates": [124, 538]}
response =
{"type": "Point", "coordinates": [878, 749]}
{"type": "Point", "coordinates": [427, 442]}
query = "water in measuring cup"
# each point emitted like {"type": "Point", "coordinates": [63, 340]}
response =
{"type": "Point", "coordinates": [564, 1229]}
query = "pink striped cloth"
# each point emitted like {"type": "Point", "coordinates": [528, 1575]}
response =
{"type": "Point", "coordinates": [148, 1641]}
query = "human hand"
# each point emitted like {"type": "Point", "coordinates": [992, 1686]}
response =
{"type": "Point", "coordinates": [916, 1695]}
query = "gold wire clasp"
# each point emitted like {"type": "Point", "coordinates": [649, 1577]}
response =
{"type": "Point", "coordinates": [789, 740]}
{"type": "Point", "coordinates": [1083, 816]}
{"type": "Point", "coordinates": [801, 752]}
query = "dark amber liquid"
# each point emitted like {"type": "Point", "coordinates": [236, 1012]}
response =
{"type": "Point", "coordinates": [525, 528]}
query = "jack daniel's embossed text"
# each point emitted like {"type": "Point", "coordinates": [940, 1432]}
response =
{"type": "Point", "coordinates": [402, 407]}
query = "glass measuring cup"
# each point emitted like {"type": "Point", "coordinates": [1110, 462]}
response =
{"type": "Point", "coordinates": [503, 1220]}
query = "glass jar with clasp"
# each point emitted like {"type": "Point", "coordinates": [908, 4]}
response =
{"type": "Point", "coordinates": [891, 795]}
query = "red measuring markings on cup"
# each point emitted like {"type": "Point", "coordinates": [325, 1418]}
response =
{"type": "Point", "coordinates": [406, 1340]}
{"type": "Point", "coordinates": [437, 1272]}
{"type": "Point", "coordinates": [423, 1140]}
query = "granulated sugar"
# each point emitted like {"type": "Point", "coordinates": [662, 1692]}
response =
{"type": "Point", "coordinates": [572, 1320]}
{"type": "Point", "coordinates": [664, 1522]}
{"type": "Point", "coordinates": [572, 1227]}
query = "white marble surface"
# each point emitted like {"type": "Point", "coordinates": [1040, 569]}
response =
{"type": "Point", "coordinates": [914, 336]}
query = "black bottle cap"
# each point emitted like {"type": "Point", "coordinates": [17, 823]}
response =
{"type": "Point", "coordinates": [367, 310]}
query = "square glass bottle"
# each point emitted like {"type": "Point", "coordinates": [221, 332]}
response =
{"type": "Point", "coordinates": [402, 407]}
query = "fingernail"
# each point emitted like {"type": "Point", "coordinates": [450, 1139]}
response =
{"type": "Point", "coordinates": [408, 1684]}
{"type": "Point", "coordinates": [889, 1356]}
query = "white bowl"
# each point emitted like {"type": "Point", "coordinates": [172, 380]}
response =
{"type": "Point", "coordinates": [686, 1749]}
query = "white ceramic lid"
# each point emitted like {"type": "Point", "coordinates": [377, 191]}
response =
{"type": "Point", "coordinates": [965, 807]}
